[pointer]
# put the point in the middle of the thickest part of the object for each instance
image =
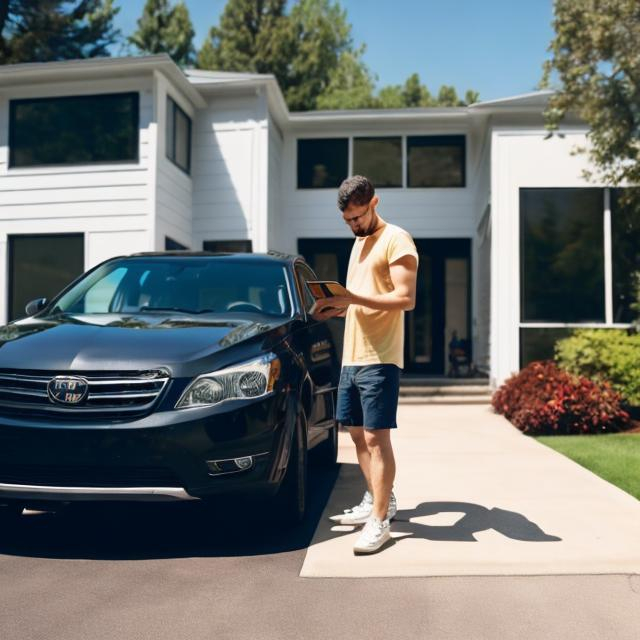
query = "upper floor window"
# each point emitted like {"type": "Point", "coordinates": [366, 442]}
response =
{"type": "Point", "coordinates": [380, 159]}
{"type": "Point", "coordinates": [435, 161]}
{"type": "Point", "coordinates": [73, 130]}
{"type": "Point", "coordinates": [178, 138]}
{"type": "Point", "coordinates": [323, 163]}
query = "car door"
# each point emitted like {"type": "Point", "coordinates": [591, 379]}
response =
{"type": "Point", "coordinates": [316, 343]}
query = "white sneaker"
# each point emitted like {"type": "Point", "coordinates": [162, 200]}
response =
{"type": "Point", "coordinates": [374, 535]}
{"type": "Point", "coordinates": [362, 512]}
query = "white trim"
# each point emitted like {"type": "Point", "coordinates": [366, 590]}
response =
{"type": "Point", "coordinates": [608, 258]}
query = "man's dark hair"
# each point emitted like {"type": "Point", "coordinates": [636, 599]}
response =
{"type": "Point", "coordinates": [355, 190]}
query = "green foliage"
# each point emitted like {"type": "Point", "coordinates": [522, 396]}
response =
{"type": "Point", "coordinates": [596, 54]}
{"type": "Point", "coordinates": [165, 29]}
{"type": "Point", "coordinates": [310, 51]}
{"type": "Point", "coordinates": [253, 36]}
{"type": "Point", "coordinates": [350, 85]}
{"type": "Point", "coordinates": [604, 354]}
{"type": "Point", "coordinates": [46, 30]}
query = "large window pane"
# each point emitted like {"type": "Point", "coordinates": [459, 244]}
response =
{"type": "Point", "coordinates": [539, 344]}
{"type": "Point", "coordinates": [323, 163]}
{"type": "Point", "coordinates": [73, 130]}
{"type": "Point", "coordinates": [436, 161]}
{"type": "Point", "coordinates": [379, 159]}
{"type": "Point", "coordinates": [625, 241]}
{"type": "Point", "coordinates": [562, 255]}
{"type": "Point", "coordinates": [178, 136]}
{"type": "Point", "coordinates": [41, 266]}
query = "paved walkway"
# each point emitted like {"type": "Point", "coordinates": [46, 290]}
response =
{"type": "Point", "coordinates": [477, 497]}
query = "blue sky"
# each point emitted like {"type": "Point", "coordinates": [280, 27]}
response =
{"type": "Point", "coordinates": [495, 47]}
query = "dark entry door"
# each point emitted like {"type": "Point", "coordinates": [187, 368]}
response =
{"type": "Point", "coordinates": [442, 305]}
{"type": "Point", "coordinates": [442, 296]}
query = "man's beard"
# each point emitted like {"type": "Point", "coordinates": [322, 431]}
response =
{"type": "Point", "coordinates": [363, 233]}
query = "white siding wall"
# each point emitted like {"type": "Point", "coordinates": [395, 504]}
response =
{"type": "Point", "coordinates": [275, 230]}
{"type": "Point", "coordinates": [173, 186]}
{"type": "Point", "coordinates": [481, 258]}
{"type": "Point", "coordinates": [425, 213]}
{"type": "Point", "coordinates": [521, 158]}
{"type": "Point", "coordinates": [92, 199]}
{"type": "Point", "coordinates": [230, 146]}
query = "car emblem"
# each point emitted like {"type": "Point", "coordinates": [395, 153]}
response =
{"type": "Point", "coordinates": [67, 389]}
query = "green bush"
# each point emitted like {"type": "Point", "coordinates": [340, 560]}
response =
{"type": "Point", "coordinates": [611, 355]}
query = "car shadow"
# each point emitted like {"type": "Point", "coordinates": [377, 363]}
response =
{"type": "Point", "coordinates": [140, 531]}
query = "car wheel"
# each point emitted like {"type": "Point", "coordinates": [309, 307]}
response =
{"type": "Point", "coordinates": [326, 453]}
{"type": "Point", "coordinates": [291, 499]}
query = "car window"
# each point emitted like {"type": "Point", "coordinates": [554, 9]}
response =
{"type": "Point", "coordinates": [198, 285]}
{"type": "Point", "coordinates": [304, 273]}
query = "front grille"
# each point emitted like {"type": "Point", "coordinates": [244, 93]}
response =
{"type": "Point", "coordinates": [87, 476]}
{"type": "Point", "coordinates": [113, 394]}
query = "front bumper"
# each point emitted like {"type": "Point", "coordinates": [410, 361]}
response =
{"type": "Point", "coordinates": [162, 456]}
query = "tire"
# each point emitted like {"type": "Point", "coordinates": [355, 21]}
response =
{"type": "Point", "coordinates": [291, 499]}
{"type": "Point", "coordinates": [326, 453]}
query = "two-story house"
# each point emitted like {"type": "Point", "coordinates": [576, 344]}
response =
{"type": "Point", "coordinates": [119, 155]}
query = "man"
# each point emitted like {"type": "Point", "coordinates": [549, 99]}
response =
{"type": "Point", "coordinates": [381, 286]}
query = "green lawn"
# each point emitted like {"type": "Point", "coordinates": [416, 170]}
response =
{"type": "Point", "coordinates": [614, 456]}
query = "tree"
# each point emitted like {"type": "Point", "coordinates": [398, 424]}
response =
{"type": "Point", "coordinates": [45, 30]}
{"type": "Point", "coordinates": [252, 36]}
{"type": "Point", "coordinates": [350, 85]}
{"type": "Point", "coordinates": [596, 53]}
{"type": "Point", "coordinates": [414, 93]}
{"type": "Point", "coordinates": [165, 29]}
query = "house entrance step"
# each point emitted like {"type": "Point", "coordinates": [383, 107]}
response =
{"type": "Point", "coordinates": [441, 390]}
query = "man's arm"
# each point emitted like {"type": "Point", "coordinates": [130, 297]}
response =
{"type": "Point", "coordinates": [403, 274]}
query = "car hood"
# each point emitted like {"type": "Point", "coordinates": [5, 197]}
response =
{"type": "Point", "coordinates": [115, 342]}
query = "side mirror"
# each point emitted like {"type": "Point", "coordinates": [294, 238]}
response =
{"type": "Point", "coordinates": [35, 305]}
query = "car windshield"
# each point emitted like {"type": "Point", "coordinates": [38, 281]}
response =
{"type": "Point", "coordinates": [196, 285]}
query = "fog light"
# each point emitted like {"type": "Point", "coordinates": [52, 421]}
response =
{"type": "Point", "coordinates": [230, 465]}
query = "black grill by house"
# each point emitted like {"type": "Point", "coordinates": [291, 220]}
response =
{"type": "Point", "coordinates": [87, 476]}
{"type": "Point", "coordinates": [111, 394]}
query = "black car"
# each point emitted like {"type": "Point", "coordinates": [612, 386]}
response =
{"type": "Point", "coordinates": [168, 376]}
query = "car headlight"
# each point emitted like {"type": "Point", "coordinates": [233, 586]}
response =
{"type": "Point", "coordinates": [248, 380]}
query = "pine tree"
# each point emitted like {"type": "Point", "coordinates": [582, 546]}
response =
{"type": "Point", "coordinates": [45, 30]}
{"type": "Point", "coordinates": [165, 29]}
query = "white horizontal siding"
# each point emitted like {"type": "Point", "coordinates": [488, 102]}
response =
{"type": "Point", "coordinates": [226, 146]}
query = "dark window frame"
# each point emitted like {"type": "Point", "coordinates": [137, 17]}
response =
{"type": "Point", "coordinates": [176, 246]}
{"type": "Point", "coordinates": [299, 141]}
{"type": "Point", "coordinates": [247, 243]}
{"type": "Point", "coordinates": [174, 107]}
{"type": "Point", "coordinates": [9, 263]}
{"type": "Point", "coordinates": [452, 140]}
{"type": "Point", "coordinates": [135, 122]}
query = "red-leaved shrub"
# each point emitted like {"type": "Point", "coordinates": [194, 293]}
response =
{"type": "Point", "coordinates": [542, 399]}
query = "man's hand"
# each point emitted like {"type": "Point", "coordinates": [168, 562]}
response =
{"type": "Point", "coordinates": [342, 302]}
{"type": "Point", "coordinates": [326, 313]}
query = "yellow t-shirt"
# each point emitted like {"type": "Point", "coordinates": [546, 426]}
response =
{"type": "Point", "coordinates": [372, 336]}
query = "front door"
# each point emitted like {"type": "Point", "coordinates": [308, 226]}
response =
{"type": "Point", "coordinates": [442, 305]}
{"type": "Point", "coordinates": [442, 296]}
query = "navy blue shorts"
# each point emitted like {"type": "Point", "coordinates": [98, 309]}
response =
{"type": "Point", "coordinates": [368, 396]}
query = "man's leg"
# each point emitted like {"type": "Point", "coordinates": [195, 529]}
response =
{"type": "Point", "coordinates": [362, 451]}
{"type": "Point", "coordinates": [382, 468]}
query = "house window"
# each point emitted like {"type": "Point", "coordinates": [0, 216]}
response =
{"type": "Point", "coordinates": [562, 255]}
{"type": "Point", "coordinates": [436, 161]}
{"type": "Point", "coordinates": [173, 245]}
{"type": "Point", "coordinates": [625, 250]}
{"type": "Point", "coordinates": [178, 136]}
{"type": "Point", "coordinates": [380, 159]}
{"type": "Point", "coordinates": [227, 246]}
{"type": "Point", "coordinates": [73, 130]}
{"type": "Point", "coordinates": [40, 266]}
{"type": "Point", "coordinates": [323, 163]}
